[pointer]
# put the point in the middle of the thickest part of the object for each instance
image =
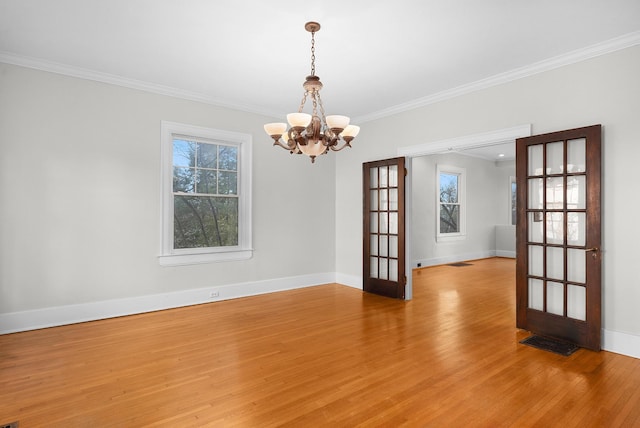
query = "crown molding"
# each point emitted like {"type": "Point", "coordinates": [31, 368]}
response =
{"type": "Point", "coordinates": [603, 48]}
{"type": "Point", "coordinates": [112, 79]}
{"type": "Point", "coordinates": [482, 139]}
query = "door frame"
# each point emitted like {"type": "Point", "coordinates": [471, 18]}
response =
{"type": "Point", "coordinates": [490, 138]}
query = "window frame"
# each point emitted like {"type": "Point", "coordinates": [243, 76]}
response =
{"type": "Point", "coordinates": [170, 256]}
{"type": "Point", "coordinates": [461, 173]}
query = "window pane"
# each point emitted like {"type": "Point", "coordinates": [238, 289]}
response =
{"type": "Point", "coordinates": [555, 158]}
{"type": "Point", "coordinates": [207, 155]}
{"type": "Point", "coordinates": [207, 179]}
{"type": "Point", "coordinates": [514, 198]}
{"type": "Point", "coordinates": [448, 188]}
{"type": "Point", "coordinates": [204, 221]}
{"type": "Point", "coordinates": [184, 152]}
{"type": "Point", "coordinates": [555, 298]}
{"type": "Point", "coordinates": [227, 183]}
{"type": "Point", "coordinates": [449, 218]}
{"type": "Point", "coordinates": [393, 176]}
{"type": "Point", "coordinates": [535, 160]}
{"type": "Point", "coordinates": [184, 179]}
{"type": "Point", "coordinates": [228, 158]}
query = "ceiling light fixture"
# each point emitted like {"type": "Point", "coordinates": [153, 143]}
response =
{"type": "Point", "coordinates": [312, 134]}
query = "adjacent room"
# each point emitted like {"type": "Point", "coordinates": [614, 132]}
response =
{"type": "Point", "coordinates": [186, 235]}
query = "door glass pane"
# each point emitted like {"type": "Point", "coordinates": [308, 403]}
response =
{"type": "Point", "coordinates": [536, 294]}
{"type": "Point", "coordinates": [555, 193]}
{"type": "Point", "coordinates": [373, 226]}
{"type": "Point", "coordinates": [535, 194]}
{"type": "Point", "coordinates": [576, 265]}
{"type": "Point", "coordinates": [576, 155]}
{"type": "Point", "coordinates": [393, 223]}
{"type": "Point", "coordinates": [393, 199]}
{"type": "Point", "coordinates": [384, 200]}
{"type": "Point", "coordinates": [536, 261]}
{"type": "Point", "coordinates": [393, 176]}
{"type": "Point", "coordinates": [555, 158]}
{"type": "Point", "coordinates": [393, 270]}
{"type": "Point", "coordinates": [374, 177]}
{"type": "Point", "coordinates": [555, 228]}
{"type": "Point", "coordinates": [384, 245]}
{"type": "Point", "coordinates": [384, 222]}
{"type": "Point", "coordinates": [535, 227]}
{"type": "Point", "coordinates": [383, 176]}
{"type": "Point", "coordinates": [555, 263]}
{"type": "Point", "coordinates": [374, 267]}
{"type": "Point", "coordinates": [576, 228]}
{"type": "Point", "coordinates": [555, 298]}
{"type": "Point", "coordinates": [393, 246]}
{"type": "Point", "coordinates": [576, 302]}
{"type": "Point", "coordinates": [374, 245]}
{"type": "Point", "coordinates": [576, 192]}
{"type": "Point", "coordinates": [383, 265]}
{"type": "Point", "coordinates": [374, 200]}
{"type": "Point", "coordinates": [535, 160]}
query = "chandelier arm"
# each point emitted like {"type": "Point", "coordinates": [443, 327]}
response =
{"type": "Point", "coordinates": [335, 147]}
{"type": "Point", "coordinates": [279, 143]}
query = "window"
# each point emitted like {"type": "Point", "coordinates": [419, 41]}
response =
{"type": "Point", "coordinates": [513, 197]}
{"type": "Point", "coordinates": [451, 218]}
{"type": "Point", "coordinates": [206, 195]}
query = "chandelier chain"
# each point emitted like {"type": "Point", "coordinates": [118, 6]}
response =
{"type": "Point", "coordinates": [303, 102]}
{"type": "Point", "coordinates": [313, 53]}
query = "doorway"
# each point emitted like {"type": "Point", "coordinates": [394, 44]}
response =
{"type": "Point", "coordinates": [469, 143]}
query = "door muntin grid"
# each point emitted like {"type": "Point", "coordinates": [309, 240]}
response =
{"type": "Point", "coordinates": [383, 228]}
{"type": "Point", "coordinates": [556, 228]}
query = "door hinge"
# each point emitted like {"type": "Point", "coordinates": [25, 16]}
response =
{"type": "Point", "coordinates": [405, 172]}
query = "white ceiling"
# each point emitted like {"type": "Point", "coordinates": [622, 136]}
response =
{"type": "Point", "coordinates": [374, 57]}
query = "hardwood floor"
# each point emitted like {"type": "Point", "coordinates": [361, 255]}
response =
{"type": "Point", "coordinates": [322, 356]}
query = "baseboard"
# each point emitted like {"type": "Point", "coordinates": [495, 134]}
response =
{"type": "Point", "coordinates": [349, 280]}
{"type": "Point", "coordinates": [621, 343]}
{"type": "Point", "coordinates": [507, 254]}
{"type": "Point", "coordinates": [70, 314]}
{"type": "Point", "coordinates": [454, 259]}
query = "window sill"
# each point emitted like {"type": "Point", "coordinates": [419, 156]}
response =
{"type": "Point", "coordinates": [452, 237]}
{"type": "Point", "coordinates": [194, 259]}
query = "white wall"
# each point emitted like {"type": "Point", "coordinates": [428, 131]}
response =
{"type": "Point", "coordinates": [80, 196]}
{"type": "Point", "coordinates": [485, 201]}
{"type": "Point", "coordinates": [603, 90]}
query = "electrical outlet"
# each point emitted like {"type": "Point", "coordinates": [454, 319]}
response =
{"type": "Point", "coordinates": [213, 294]}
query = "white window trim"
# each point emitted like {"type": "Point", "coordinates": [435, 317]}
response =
{"type": "Point", "coordinates": [186, 256]}
{"type": "Point", "coordinates": [462, 186]}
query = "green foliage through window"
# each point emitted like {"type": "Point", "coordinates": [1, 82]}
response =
{"type": "Point", "coordinates": [205, 189]}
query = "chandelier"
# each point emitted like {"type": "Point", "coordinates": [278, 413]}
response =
{"type": "Point", "coordinates": [312, 134]}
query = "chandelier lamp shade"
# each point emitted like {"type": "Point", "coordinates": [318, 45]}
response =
{"type": "Point", "coordinates": [312, 134]}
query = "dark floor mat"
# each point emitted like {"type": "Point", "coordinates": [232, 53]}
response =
{"type": "Point", "coordinates": [552, 345]}
{"type": "Point", "coordinates": [460, 264]}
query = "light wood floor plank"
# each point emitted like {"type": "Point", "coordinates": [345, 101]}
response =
{"type": "Point", "coordinates": [322, 356]}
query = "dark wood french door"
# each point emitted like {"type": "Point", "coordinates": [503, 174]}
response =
{"type": "Point", "coordinates": [558, 270]}
{"type": "Point", "coordinates": [384, 227]}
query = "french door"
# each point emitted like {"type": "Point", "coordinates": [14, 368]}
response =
{"type": "Point", "coordinates": [558, 270]}
{"type": "Point", "coordinates": [384, 228]}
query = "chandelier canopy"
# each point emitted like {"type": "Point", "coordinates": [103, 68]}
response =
{"type": "Point", "coordinates": [312, 134]}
